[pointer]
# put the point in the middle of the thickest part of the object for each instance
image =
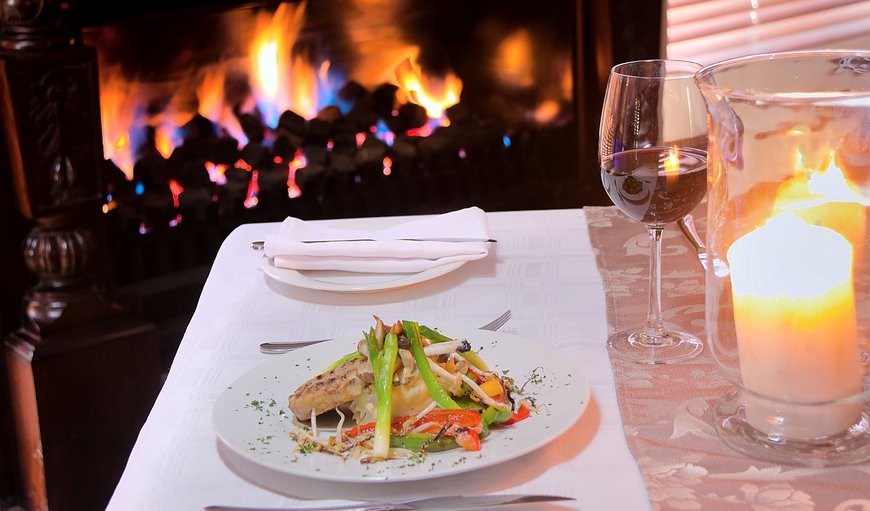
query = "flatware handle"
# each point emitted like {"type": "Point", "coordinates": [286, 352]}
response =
{"type": "Point", "coordinates": [260, 245]}
{"type": "Point", "coordinates": [283, 347]}
{"type": "Point", "coordinates": [687, 226]}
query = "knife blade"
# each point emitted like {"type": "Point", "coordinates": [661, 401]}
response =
{"type": "Point", "coordinates": [434, 503]}
{"type": "Point", "coordinates": [259, 245]}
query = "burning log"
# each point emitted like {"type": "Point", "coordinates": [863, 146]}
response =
{"type": "Point", "coordinates": [412, 116]}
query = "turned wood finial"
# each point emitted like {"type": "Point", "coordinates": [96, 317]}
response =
{"type": "Point", "coordinates": [38, 24]}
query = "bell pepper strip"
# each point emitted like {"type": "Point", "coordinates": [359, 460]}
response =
{"type": "Point", "coordinates": [386, 361]}
{"type": "Point", "coordinates": [521, 414]}
{"type": "Point", "coordinates": [438, 394]}
{"type": "Point", "coordinates": [468, 439]}
{"type": "Point", "coordinates": [472, 357]}
{"type": "Point", "coordinates": [465, 426]}
{"type": "Point", "coordinates": [492, 388]}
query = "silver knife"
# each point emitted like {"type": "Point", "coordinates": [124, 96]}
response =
{"type": "Point", "coordinates": [435, 503]}
{"type": "Point", "coordinates": [259, 245]}
{"type": "Point", "coordinates": [687, 227]}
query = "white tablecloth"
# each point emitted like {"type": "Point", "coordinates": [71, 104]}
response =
{"type": "Point", "coordinates": [543, 268]}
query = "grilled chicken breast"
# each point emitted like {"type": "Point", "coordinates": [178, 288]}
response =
{"type": "Point", "coordinates": [331, 389]}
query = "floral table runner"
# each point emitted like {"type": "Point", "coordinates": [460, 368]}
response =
{"type": "Point", "coordinates": [666, 410]}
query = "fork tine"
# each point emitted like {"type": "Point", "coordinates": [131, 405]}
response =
{"type": "Point", "coordinates": [498, 322]}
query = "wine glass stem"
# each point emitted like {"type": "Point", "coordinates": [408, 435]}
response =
{"type": "Point", "coordinates": [654, 329]}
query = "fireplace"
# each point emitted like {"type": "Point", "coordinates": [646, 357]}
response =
{"type": "Point", "coordinates": [329, 110]}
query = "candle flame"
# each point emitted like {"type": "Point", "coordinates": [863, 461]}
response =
{"type": "Point", "coordinates": [832, 184]}
{"type": "Point", "coordinates": [825, 198]}
{"type": "Point", "coordinates": [672, 164]}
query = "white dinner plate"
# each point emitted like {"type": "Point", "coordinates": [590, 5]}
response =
{"type": "Point", "coordinates": [251, 415]}
{"type": "Point", "coordinates": [352, 282]}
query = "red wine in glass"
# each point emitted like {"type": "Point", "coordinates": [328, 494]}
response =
{"type": "Point", "coordinates": [656, 185]}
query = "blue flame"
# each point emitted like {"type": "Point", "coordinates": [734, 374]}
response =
{"type": "Point", "coordinates": [383, 133]}
{"type": "Point", "coordinates": [506, 140]}
{"type": "Point", "coordinates": [140, 188]}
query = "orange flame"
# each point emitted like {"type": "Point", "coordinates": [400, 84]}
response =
{"type": "Point", "coordinates": [213, 105]}
{"type": "Point", "coordinates": [117, 111]}
{"type": "Point", "coordinates": [514, 61]}
{"type": "Point", "coordinates": [432, 93]}
{"type": "Point", "coordinates": [826, 198]}
{"type": "Point", "coordinates": [280, 80]}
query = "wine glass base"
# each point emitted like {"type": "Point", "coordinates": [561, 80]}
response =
{"type": "Point", "coordinates": [635, 346]}
{"type": "Point", "coordinates": [846, 448]}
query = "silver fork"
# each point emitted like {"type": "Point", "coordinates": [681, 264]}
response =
{"type": "Point", "coordinates": [284, 347]}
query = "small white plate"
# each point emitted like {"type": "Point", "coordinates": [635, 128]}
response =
{"type": "Point", "coordinates": [352, 282]}
{"type": "Point", "coordinates": [252, 419]}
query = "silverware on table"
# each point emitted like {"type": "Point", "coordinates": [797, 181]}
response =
{"type": "Point", "coordinates": [434, 503]}
{"type": "Point", "coordinates": [687, 227]}
{"type": "Point", "coordinates": [260, 245]}
{"type": "Point", "coordinates": [283, 347]}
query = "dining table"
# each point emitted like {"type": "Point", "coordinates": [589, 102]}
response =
{"type": "Point", "coordinates": [570, 276]}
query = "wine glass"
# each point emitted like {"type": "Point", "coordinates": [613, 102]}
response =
{"type": "Point", "coordinates": [653, 155]}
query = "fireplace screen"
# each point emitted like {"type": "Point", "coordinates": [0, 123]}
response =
{"type": "Point", "coordinates": [333, 109]}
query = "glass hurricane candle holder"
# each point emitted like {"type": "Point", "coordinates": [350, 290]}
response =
{"type": "Point", "coordinates": [788, 316]}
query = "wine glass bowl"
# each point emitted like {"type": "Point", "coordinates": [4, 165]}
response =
{"type": "Point", "coordinates": [653, 157]}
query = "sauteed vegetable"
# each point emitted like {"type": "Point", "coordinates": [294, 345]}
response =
{"type": "Point", "coordinates": [409, 389]}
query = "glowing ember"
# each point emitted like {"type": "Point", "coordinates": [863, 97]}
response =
{"type": "Point", "coordinates": [297, 163]}
{"type": "Point", "coordinates": [216, 173]}
{"type": "Point", "coordinates": [253, 190]}
{"type": "Point", "coordinates": [360, 139]}
{"type": "Point", "coordinates": [176, 190]}
{"type": "Point", "coordinates": [175, 221]}
{"type": "Point", "coordinates": [388, 165]}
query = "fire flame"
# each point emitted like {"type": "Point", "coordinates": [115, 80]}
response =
{"type": "Point", "coordinates": [825, 198]}
{"type": "Point", "coordinates": [282, 73]}
{"type": "Point", "coordinates": [117, 112]}
{"type": "Point", "coordinates": [514, 61]}
{"type": "Point", "coordinates": [432, 93]}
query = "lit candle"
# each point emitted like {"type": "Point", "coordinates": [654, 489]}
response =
{"type": "Point", "coordinates": [794, 314]}
{"type": "Point", "coordinates": [826, 198]}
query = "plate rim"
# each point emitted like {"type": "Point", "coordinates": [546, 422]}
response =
{"type": "Point", "coordinates": [578, 375]}
{"type": "Point", "coordinates": [297, 278]}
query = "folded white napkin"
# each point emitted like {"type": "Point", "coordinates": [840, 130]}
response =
{"type": "Point", "coordinates": [385, 255]}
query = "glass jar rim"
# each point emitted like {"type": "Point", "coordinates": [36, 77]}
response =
{"type": "Point", "coordinates": [687, 74]}
{"type": "Point", "coordinates": [705, 79]}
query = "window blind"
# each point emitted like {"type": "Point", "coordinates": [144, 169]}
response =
{"type": "Point", "coordinates": [707, 31]}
